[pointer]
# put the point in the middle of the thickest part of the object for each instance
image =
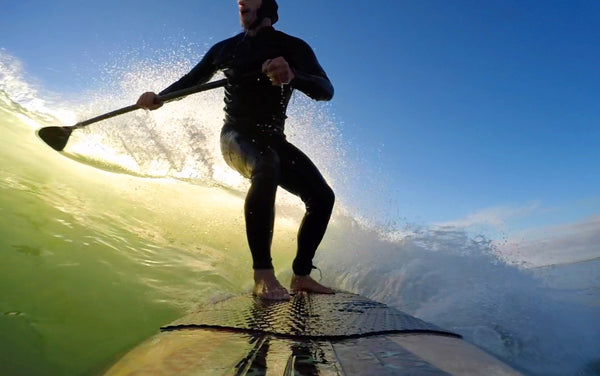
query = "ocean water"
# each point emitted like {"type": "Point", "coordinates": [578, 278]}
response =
{"type": "Point", "coordinates": [140, 221]}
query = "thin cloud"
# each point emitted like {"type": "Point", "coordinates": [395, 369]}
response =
{"type": "Point", "coordinates": [570, 243]}
{"type": "Point", "coordinates": [495, 217]}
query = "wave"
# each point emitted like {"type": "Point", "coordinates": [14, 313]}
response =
{"type": "Point", "coordinates": [148, 197]}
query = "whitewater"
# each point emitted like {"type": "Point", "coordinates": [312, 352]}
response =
{"type": "Point", "coordinates": [139, 221]}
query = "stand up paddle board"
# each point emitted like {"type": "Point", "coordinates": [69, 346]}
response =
{"type": "Point", "coordinates": [341, 334]}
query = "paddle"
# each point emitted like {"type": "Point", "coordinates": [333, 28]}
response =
{"type": "Point", "coordinates": [57, 137]}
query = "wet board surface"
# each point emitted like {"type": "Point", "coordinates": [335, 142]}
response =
{"type": "Point", "coordinates": [339, 335]}
{"type": "Point", "coordinates": [313, 316]}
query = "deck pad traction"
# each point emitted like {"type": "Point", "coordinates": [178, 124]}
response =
{"type": "Point", "coordinates": [337, 316]}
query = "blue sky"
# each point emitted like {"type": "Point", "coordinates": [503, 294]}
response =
{"type": "Point", "coordinates": [476, 112]}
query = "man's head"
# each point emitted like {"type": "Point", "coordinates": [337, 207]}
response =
{"type": "Point", "coordinates": [254, 12]}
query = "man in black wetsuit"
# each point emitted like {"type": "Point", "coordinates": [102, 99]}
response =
{"type": "Point", "coordinates": [253, 141]}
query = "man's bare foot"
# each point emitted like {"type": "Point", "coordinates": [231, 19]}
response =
{"type": "Point", "coordinates": [266, 286]}
{"type": "Point", "coordinates": [306, 283]}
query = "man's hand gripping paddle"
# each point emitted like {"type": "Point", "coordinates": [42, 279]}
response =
{"type": "Point", "coordinates": [57, 137]}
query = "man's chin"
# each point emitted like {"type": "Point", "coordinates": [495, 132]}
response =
{"type": "Point", "coordinates": [245, 21]}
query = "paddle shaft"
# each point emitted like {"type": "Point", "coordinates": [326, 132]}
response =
{"type": "Point", "coordinates": [165, 98]}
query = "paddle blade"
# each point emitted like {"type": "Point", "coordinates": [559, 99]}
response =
{"type": "Point", "coordinates": [55, 137]}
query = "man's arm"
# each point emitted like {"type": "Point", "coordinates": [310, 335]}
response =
{"type": "Point", "coordinates": [300, 69]}
{"type": "Point", "coordinates": [200, 74]}
{"type": "Point", "coordinates": [309, 76]}
{"type": "Point", "coordinates": [315, 86]}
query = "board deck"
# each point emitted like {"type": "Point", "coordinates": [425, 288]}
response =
{"type": "Point", "coordinates": [341, 334]}
{"type": "Point", "coordinates": [337, 316]}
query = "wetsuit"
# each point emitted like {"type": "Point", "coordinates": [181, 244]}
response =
{"type": "Point", "coordinates": [253, 140]}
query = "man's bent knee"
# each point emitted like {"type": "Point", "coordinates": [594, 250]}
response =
{"type": "Point", "coordinates": [321, 203]}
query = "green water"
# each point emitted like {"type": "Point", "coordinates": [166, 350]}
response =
{"type": "Point", "coordinates": [92, 262]}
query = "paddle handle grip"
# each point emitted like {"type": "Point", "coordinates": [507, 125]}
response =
{"type": "Point", "coordinates": [165, 98]}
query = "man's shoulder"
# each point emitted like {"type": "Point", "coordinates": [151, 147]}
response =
{"type": "Point", "coordinates": [290, 39]}
{"type": "Point", "coordinates": [224, 45]}
{"type": "Point", "coordinates": [229, 40]}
